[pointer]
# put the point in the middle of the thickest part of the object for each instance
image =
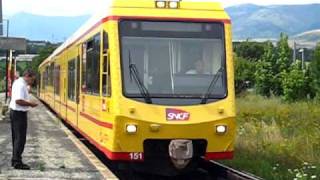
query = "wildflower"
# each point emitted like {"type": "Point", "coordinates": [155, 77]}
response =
{"type": "Point", "coordinates": [290, 171]}
{"type": "Point", "coordinates": [313, 167]}
{"type": "Point", "coordinates": [305, 175]}
{"type": "Point", "coordinates": [305, 163]}
{"type": "Point", "coordinates": [274, 168]}
{"type": "Point", "coordinates": [277, 165]}
{"type": "Point", "coordinates": [313, 177]}
{"type": "Point", "coordinates": [298, 175]}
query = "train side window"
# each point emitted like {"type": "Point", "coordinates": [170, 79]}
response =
{"type": "Point", "coordinates": [47, 77]}
{"type": "Point", "coordinates": [106, 80]}
{"type": "Point", "coordinates": [51, 74]}
{"type": "Point", "coordinates": [83, 68]}
{"type": "Point", "coordinates": [43, 80]}
{"type": "Point", "coordinates": [105, 42]}
{"type": "Point", "coordinates": [57, 80]}
{"type": "Point", "coordinates": [91, 66]}
{"type": "Point", "coordinates": [71, 80]}
{"type": "Point", "coordinates": [78, 79]}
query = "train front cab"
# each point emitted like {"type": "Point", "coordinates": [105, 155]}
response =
{"type": "Point", "coordinates": [160, 93]}
{"type": "Point", "coordinates": [145, 76]}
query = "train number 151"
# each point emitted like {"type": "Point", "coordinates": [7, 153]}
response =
{"type": "Point", "coordinates": [136, 156]}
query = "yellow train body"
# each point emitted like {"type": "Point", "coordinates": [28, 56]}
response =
{"type": "Point", "coordinates": [103, 119]}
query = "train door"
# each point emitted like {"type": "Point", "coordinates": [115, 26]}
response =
{"type": "Point", "coordinates": [51, 86]}
{"type": "Point", "coordinates": [71, 86]}
{"type": "Point", "coordinates": [78, 62]}
{"type": "Point", "coordinates": [57, 96]}
{"type": "Point", "coordinates": [82, 88]}
{"type": "Point", "coordinates": [105, 75]}
{"type": "Point", "coordinates": [64, 92]}
{"type": "Point", "coordinates": [53, 66]}
{"type": "Point", "coordinates": [90, 99]}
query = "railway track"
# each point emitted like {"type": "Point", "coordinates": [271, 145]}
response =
{"type": "Point", "coordinates": [208, 170]}
{"type": "Point", "coordinates": [223, 172]}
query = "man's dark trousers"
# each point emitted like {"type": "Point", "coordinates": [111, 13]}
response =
{"type": "Point", "coordinates": [19, 126]}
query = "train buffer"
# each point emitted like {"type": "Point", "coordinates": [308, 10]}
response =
{"type": "Point", "coordinates": [52, 151]}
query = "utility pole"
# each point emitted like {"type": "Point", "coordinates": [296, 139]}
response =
{"type": "Point", "coordinates": [302, 54]}
{"type": "Point", "coordinates": [7, 56]}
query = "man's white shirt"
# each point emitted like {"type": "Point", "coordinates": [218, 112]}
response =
{"type": "Point", "coordinates": [19, 92]}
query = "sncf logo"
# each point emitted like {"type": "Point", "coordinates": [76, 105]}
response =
{"type": "Point", "coordinates": [177, 115]}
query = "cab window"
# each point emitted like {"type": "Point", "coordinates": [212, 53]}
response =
{"type": "Point", "coordinates": [91, 66]}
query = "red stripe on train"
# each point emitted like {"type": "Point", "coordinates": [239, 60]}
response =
{"type": "Point", "coordinates": [96, 121]}
{"type": "Point", "coordinates": [120, 156]}
{"type": "Point", "coordinates": [218, 155]}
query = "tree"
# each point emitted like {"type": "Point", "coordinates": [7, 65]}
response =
{"type": "Point", "coordinates": [284, 54]}
{"type": "Point", "coordinates": [296, 83]}
{"type": "Point", "coordinates": [264, 75]}
{"type": "Point", "coordinates": [315, 71]}
{"type": "Point", "coordinates": [282, 65]}
{"type": "Point", "coordinates": [43, 54]}
{"type": "Point", "coordinates": [251, 51]}
{"type": "Point", "coordinates": [244, 73]}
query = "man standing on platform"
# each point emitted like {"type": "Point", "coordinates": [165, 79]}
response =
{"type": "Point", "coordinates": [19, 106]}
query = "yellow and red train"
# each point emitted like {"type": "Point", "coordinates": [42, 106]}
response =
{"type": "Point", "coordinates": [148, 81]}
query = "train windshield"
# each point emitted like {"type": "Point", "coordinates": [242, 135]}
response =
{"type": "Point", "coordinates": [173, 59]}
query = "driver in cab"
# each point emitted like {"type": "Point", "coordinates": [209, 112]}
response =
{"type": "Point", "coordinates": [199, 68]}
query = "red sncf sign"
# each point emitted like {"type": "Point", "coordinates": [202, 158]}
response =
{"type": "Point", "coordinates": [177, 115]}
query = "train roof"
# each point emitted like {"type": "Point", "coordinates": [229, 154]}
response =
{"type": "Point", "coordinates": [105, 11]}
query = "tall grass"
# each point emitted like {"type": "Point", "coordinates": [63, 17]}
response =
{"type": "Point", "coordinates": [278, 140]}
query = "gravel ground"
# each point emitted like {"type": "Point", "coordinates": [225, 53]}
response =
{"type": "Point", "coordinates": [48, 151]}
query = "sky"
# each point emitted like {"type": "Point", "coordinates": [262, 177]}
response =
{"type": "Point", "coordinates": [84, 7]}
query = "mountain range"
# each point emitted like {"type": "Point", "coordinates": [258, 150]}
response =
{"type": "Point", "coordinates": [301, 22]}
{"type": "Point", "coordinates": [265, 22]}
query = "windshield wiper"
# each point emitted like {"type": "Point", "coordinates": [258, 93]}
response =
{"type": "Point", "coordinates": [135, 73]}
{"type": "Point", "coordinates": [213, 83]}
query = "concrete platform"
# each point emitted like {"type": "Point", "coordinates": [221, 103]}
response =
{"type": "Point", "coordinates": [49, 151]}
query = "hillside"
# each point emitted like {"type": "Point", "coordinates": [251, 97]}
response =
{"type": "Point", "coordinates": [313, 36]}
{"type": "Point", "coordinates": [252, 21]}
{"type": "Point", "coordinates": [249, 21]}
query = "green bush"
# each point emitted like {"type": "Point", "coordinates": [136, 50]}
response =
{"type": "Point", "coordinates": [244, 74]}
{"type": "Point", "coordinates": [264, 75]}
{"type": "Point", "coordinates": [296, 83]}
{"type": "Point", "coordinates": [282, 64]}
{"type": "Point", "coordinates": [315, 71]}
{"type": "Point", "coordinates": [274, 73]}
{"type": "Point", "coordinates": [251, 51]}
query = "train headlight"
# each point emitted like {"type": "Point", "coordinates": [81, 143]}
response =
{"type": "Point", "coordinates": [221, 129]}
{"type": "Point", "coordinates": [160, 4]}
{"type": "Point", "coordinates": [131, 129]}
{"type": "Point", "coordinates": [174, 4]}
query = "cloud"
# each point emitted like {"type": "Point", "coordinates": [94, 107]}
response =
{"type": "Point", "coordinates": [267, 2]}
{"type": "Point", "coordinates": [82, 7]}
{"type": "Point", "coordinates": [53, 7]}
